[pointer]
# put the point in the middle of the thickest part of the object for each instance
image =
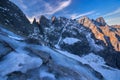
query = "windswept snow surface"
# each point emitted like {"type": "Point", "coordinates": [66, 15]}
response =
{"type": "Point", "coordinates": [18, 62]}
{"type": "Point", "coordinates": [70, 41]}
{"type": "Point", "coordinates": [66, 61]}
{"type": "Point", "coordinates": [10, 34]}
{"type": "Point", "coordinates": [97, 63]}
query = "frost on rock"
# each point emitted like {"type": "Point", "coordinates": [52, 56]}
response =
{"type": "Point", "coordinates": [18, 62]}
{"type": "Point", "coordinates": [70, 41]}
{"type": "Point", "coordinates": [92, 44]}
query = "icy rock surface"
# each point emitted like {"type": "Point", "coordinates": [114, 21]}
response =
{"type": "Point", "coordinates": [18, 62]}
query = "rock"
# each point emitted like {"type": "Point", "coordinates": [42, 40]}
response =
{"type": "Point", "coordinates": [53, 19]}
{"type": "Point", "coordinates": [32, 41]}
{"type": "Point", "coordinates": [43, 21]}
{"type": "Point", "coordinates": [43, 55]}
{"type": "Point", "coordinates": [79, 48]}
{"type": "Point", "coordinates": [17, 76]}
{"type": "Point", "coordinates": [18, 62]}
{"type": "Point", "coordinates": [100, 21]}
{"type": "Point", "coordinates": [5, 49]}
{"type": "Point", "coordinates": [12, 18]}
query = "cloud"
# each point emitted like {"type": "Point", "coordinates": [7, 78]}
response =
{"type": "Point", "coordinates": [117, 11]}
{"type": "Point", "coordinates": [22, 4]}
{"type": "Point", "coordinates": [74, 16]}
{"type": "Point", "coordinates": [50, 9]}
{"type": "Point", "coordinates": [59, 7]}
{"type": "Point", "coordinates": [41, 7]}
{"type": "Point", "coordinates": [113, 21]}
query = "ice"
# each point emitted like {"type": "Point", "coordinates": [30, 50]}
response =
{"type": "Point", "coordinates": [46, 74]}
{"type": "Point", "coordinates": [68, 62]}
{"type": "Point", "coordinates": [70, 41]}
{"type": "Point", "coordinates": [18, 62]}
{"type": "Point", "coordinates": [3, 78]}
{"type": "Point", "coordinates": [57, 46]}
{"type": "Point", "coordinates": [10, 34]}
{"type": "Point", "coordinates": [97, 63]}
{"type": "Point", "coordinates": [16, 38]}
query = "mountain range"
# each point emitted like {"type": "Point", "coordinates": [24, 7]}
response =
{"type": "Point", "coordinates": [58, 48]}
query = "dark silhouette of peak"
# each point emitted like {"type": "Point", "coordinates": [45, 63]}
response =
{"type": "Point", "coordinates": [13, 18]}
{"type": "Point", "coordinates": [44, 21]}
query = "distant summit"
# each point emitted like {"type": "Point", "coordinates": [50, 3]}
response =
{"type": "Point", "coordinates": [101, 21]}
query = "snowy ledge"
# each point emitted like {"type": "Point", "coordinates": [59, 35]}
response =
{"type": "Point", "coordinates": [70, 41]}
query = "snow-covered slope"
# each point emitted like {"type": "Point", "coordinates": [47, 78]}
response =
{"type": "Point", "coordinates": [29, 59]}
{"type": "Point", "coordinates": [36, 62]}
{"type": "Point", "coordinates": [57, 48]}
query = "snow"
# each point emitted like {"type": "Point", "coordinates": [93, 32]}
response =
{"type": "Point", "coordinates": [16, 38]}
{"type": "Point", "coordinates": [21, 61]}
{"type": "Point", "coordinates": [3, 78]}
{"type": "Point", "coordinates": [4, 8]}
{"type": "Point", "coordinates": [97, 63]}
{"type": "Point", "coordinates": [57, 46]}
{"type": "Point", "coordinates": [68, 62]}
{"type": "Point", "coordinates": [46, 74]}
{"type": "Point", "coordinates": [70, 41]}
{"type": "Point", "coordinates": [94, 46]}
{"type": "Point", "coordinates": [18, 62]}
{"type": "Point", "coordinates": [10, 34]}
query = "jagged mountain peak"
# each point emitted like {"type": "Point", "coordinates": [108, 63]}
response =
{"type": "Point", "coordinates": [101, 21]}
{"type": "Point", "coordinates": [34, 21]}
{"type": "Point", "coordinates": [58, 48]}
{"type": "Point", "coordinates": [42, 17]}
{"type": "Point", "coordinates": [44, 21]}
{"type": "Point", "coordinates": [53, 18]}
{"type": "Point", "coordinates": [84, 20]}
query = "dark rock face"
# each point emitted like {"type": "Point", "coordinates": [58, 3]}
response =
{"type": "Point", "coordinates": [44, 21]}
{"type": "Point", "coordinates": [79, 48]}
{"type": "Point", "coordinates": [102, 40]}
{"type": "Point", "coordinates": [13, 18]}
{"type": "Point", "coordinates": [90, 39]}
{"type": "Point", "coordinates": [100, 21]}
{"type": "Point", "coordinates": [5, 49]}
{"type": "Point", "coordinates": [106, 36]}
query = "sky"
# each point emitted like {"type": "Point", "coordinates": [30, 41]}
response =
{"type": "Point", "coordinates": [109, 9]}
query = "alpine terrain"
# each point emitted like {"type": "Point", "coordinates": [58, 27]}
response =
{"type": "Point", "coordinates": [57, 48]}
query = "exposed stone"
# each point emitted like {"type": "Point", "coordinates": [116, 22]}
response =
{"type": "Point", "coordinates": [43, 21]}
{"type": "Point", "coordinates": [100, 21]}
{"type": "Point", "coordinates": [5, 49]}
{"type": "Point", "coordinates": [12, 18]}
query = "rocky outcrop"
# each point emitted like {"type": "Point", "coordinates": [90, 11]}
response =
{"type": "Point", "coordinates": [36, 62]}
{"type": "Point", "coordinates": [5, 49]}
{"type": "Point", "coordinates": [13, 18]}
{"type": "Point", "coordinates": [43, 21]}
{"type": "Point", "coordinates": [114, 40]}
{"type": "Point", "coordinates": [86, 22]}
{"type": "Point", "coordinates": [102, 31]}
{"type": "Point", "coordinates": [100, 21]}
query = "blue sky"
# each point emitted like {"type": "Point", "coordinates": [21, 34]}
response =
{"type": "Point", "coordinates": [109, 9]}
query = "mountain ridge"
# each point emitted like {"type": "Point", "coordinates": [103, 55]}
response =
{"type": "Point", "coordinates": [58, 48]}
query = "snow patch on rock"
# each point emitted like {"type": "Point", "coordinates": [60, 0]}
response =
{"type": "Point", "coordinates": [70, 41]}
